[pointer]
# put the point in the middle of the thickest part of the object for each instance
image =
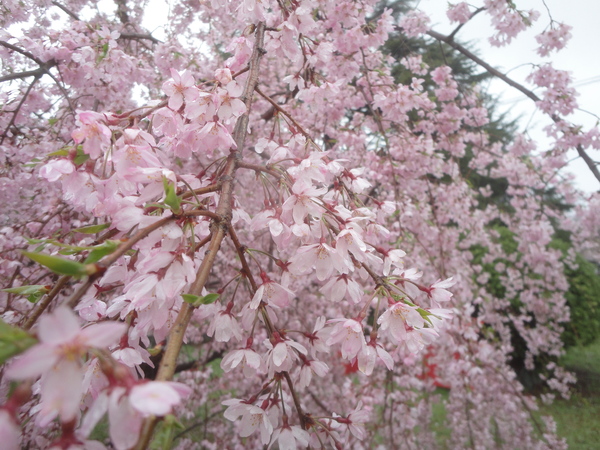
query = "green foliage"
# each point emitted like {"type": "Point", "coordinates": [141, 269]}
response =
{"type": "Point", "coordinates": [13, 341]}
{"type": "Point", "coordinates": [171, 199]}
{"type": "Point", "coordinates": [60, 265]}
{"type": "Point", "coordinates": [583, 298]}
{"type": "Point", "coordinates": [577, 417]}
{"type": "Point", "coordinates": [92, 229]}
{"type": "Point", "coordinates": [196, 300]}
{"type": "Point", "coordinates": [165, 434]}
{"type": "Point", "coordinates": [33, 292]}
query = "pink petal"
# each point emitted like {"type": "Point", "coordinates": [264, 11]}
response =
{"type": "Point", "coordinates": [125, 422]}
{"type": "Point", "coordinates": [33, 363]}
{"type": "Point", "coordinates": [154, 398]}
{"type": "Point", "coordinates": [58, 327]}
{"type": "Point", "coordinates": [61, 391]}
{"type": "Point", "coordinates": [280, 352]}
{"type": "Point", "coordinates": [101, 335]}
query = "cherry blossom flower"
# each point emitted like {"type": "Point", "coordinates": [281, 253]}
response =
{"type": "Point", "coordinates": [10, 431]}
{"type": "Point", "coordinates": [272, 294]}
{"type": "Point", "coordinates": [339, 287]}
{"type": "Point", "coordinates": [350, 334]}
{"type": "Point", "coordinates": [281, 356]}
{"type": "Point", "coordinates": [56, 168]}
{"type": "Point", "coordinates": [250, 361]}
{"type": "Point", "coordinates": [157, 397]}
{"type": "Point", "coordinates": [58, 358]}
{"type": "Point", "coordinates": [324, 258]}
{"type": "Point", "coordinates": [94, 134]}
{"type": "Point", "coordinates": [290, 437]}
{"type": "Point", "coordinates": [398, 318]}
{"type": "Point", "coordinates": [253, 418]}
{"type": "Point", "coordinates": [459, 13]}
{"type": "Point", "coordinates": [367, 357]}
{"type": "Point", "coordinates": [224, 326]}
{"type": "Point", "coordinates": [308, 368]}
{"type": "Point", "coordinates": [180, 89]}
{"type": "Point", "coordinates": [439, 293]}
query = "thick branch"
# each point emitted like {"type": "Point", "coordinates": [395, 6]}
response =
{"type": "Point", "coordinates": [28, 73]}
{"type": "Point", "coordinates": [139, 36]}
{"type": "Point", "coordinates": [66, 10]}
{"type": "Point", "coordinates": [219, 228]}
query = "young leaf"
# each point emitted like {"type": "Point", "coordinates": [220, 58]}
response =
{"type": "Point", "coordinates": [171, 199]}
{"type": "Point", "coordinates": [13, 341]}
{"type": "Point", "coordinates": [33, 292]}
{"type": "Point", "coordinates": [92, 229]}
{"type": "Point", "coordinates": [60, 265]}
{"type": "Point", "coordinates": [196, 300]}
{"type": "Point", "coordinates": [101, 251]}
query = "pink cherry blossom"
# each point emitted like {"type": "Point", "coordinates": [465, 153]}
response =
{"type": "Point", "coordinates": [157, 397]}
{"type": "Point", "coordinates": [58, 357]}
{"type": "Point", "coordinates": [350, 334]}
{"type": "Point", "coordinates": [253, 418]}
{"type": "Point", "coordinates": [180, 89]}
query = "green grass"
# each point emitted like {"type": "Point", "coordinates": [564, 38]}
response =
{"type": "Point", "coordinates": [578, 419]}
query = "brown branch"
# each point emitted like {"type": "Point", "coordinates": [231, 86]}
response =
{"type": "Point", "coordinates": [259, 168]}
{"type": "Point", "coordinates": [129, 243]}
{"type": "Point", "coordinates": [28, 73]}
{"type": "Point", "coordinates": [457, 29]}
{"type": "Point", "coordinates": [202, 212]}
{"type": "Point", "coordinates": [41, 306]}
{"type": "Point", "coordinates": [14, 48]}
{"type": "Point", "coordinates": [286, 114]}
{"type": "Point", "coordinates": [241, 254]}
{"type": "Point", "coordinates": [202, 191]}
{"type": "Point", "coordinates": [66, 10]}
{"type": "Point", "coordinates": [139, 36]}
{"type": "Point", "coordinates": [45, 66]}
{"type": "Point", "coordinates": [219, 228]}
{"type": "Point", "coordinates": [15, 113]}
{"type": "Point", "coordinates": [105, 263]}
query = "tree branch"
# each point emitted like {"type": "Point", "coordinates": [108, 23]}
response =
{"type": "Point", "coordinates": [28, 73]}
{"type": "Point", "coordinates": [219, 228]}
{"type": "Point", "coordinates": [66, 10]}
{"type": "Point", "coordinates": [140, 36]}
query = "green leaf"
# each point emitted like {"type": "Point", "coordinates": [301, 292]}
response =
{"type": "Point", "coordinates": [100, 251]}
{"type": "Point", "coordinates": [92, 229]}
{"type": "Point", "coordinates": [171, 199]}
{"type": "Point", "coordinates": [13, 341]}
{"type": "Point", "coordinates": [33, 292]}
{"type": "Point", "coordinates": [80, 159]}
{"type": "Point", "coordinates": [60, 265]}
{"type": "Point", "coordinates": [165, 433]}
{"type": "Point", "coordinates": [61, 152]}
{"type": "Point", "coordinates": [196, 300]}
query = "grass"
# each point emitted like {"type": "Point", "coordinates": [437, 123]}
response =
{"type": "Point", "coordinates": [578, 419]}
